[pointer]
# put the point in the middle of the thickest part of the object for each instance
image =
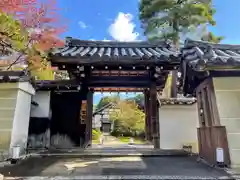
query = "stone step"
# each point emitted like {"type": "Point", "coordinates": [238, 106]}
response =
{"type": "Point", "coordinates": [115, 153]}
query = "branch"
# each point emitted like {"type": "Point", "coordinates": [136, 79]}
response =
{"type": "Point", "coordinates": [18, 56]}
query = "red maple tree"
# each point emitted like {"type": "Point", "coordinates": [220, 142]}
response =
{"type": "Point", "coordinates": [15, 6]}
{"type": "Point", "coordinates": [42, 22]}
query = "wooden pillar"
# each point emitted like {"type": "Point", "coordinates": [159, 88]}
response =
{"type": "Point", "coordinates": [154, 118]}
{"type": "Point", "coordinates": [147, 116]}
{"type": "Point", "coordinates": [157, 122]}
{"type": "Point", "coordinates": [89, 117]}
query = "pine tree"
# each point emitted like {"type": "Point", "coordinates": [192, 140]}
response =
{"type": "Point", "coordinates": [172, 19]}
{"type": "Point", "coordinates": [210, 37]}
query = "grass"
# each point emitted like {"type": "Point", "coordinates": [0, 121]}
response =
{"type": "Point", "coordinates": [127, 140]}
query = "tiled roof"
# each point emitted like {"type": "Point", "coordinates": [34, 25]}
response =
{"type": "Point", "coordinates": [14, 76]}
{"type": "Point", "coordinates": [204, 55]}
{"type": "Point", "coordinates": [178, 101]}
{"type": "Point", "coordinates": [104, 50]}
{"type": "Point", "coordinates": [109, 105]}
{"type": "Point", "coordinates": [56, 84]}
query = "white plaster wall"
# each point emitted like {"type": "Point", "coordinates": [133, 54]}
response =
{"type": "Point", "coordinates": [105, 116]}
{"type": "Point", "coordinates": [178, 126]}
{"type": "Point", "coordinates": [7, 108]}
{"type": "Point", "coordinates": [19, 134]}
{"type": "Point", "coordinates": [14, 115]}
{"type": "Point", "coordinates": [227, 92]}
{"type": "Point", "coordinates": [96, 121]}
{"type": "Point", "coordinates": [43, 108]}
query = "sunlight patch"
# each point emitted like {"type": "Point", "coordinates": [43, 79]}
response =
{"type": "Point", "coordinates": [80, 164]}
{"type": "Point", "coordinates": [123, 163]}
{"type": "Point", "coordinates": [131, 159]}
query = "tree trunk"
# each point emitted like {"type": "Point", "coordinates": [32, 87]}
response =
{"type": "Point", "coordinates": [175, 72]}
{"type": "Point", "coordinates": [174, 84]}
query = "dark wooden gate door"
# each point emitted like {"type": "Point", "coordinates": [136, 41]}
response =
{"type": "Point", "coordinates": [66, 128]}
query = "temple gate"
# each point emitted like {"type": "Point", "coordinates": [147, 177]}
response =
{"type": "Point", "coordinates": [109, 66]}
{"type": "Point", "coordinates": [209, 72]}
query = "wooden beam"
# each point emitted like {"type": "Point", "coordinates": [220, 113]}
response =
{"type": "Point", "coordinates": [232, 73]}
{"type": "Point", "coordinates": [122, 85]}
{"type": "Point", "coordinates": [119, 78]}
{"type": "Point", "coordinates": [58, 60]}
{"type": "Point", "coordinates": [120, 72]}
{"type": "Point", "coordinates": [114, 89]}
{"type": "Point", "coordinates": [123, 81]}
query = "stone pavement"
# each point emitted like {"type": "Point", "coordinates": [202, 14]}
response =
{"type": "Point", "coordinates": [68, 167]}
{"type": "Point", "coordinates": [112, 161]}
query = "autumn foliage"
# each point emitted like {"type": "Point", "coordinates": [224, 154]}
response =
{"type": "Point", "coordinates": [15, 6]}
{"type": "Point", "coordinates": [31, 28]}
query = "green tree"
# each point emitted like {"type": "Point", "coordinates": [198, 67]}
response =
{"type": "Point", "coordinates": [138, 99]}
{"type": "Point", "coordinates": [12, 35]}
{"type": "Point", "coordinates": [210, 37]}
{"type": "Point", "coordinates": [173, 19]}
{"type": "Point", "coordinates": [128, 119]}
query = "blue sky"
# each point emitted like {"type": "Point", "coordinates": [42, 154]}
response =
{"type": "Point", "coordinates": [118, 20]}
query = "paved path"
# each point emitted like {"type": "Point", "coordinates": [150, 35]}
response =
{"type": "Point", "coordinates": [113, 142]}
{"type": "Point", "coordinates": [76, 167]}
{"type": "Point", "coordinates": [70, 167]}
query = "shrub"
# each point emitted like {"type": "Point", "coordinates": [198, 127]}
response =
{"type": "Point", "coordinates": [96, 134]}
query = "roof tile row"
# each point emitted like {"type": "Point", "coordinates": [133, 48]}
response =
{"type": "Point", "coordinates": [194, 53]}
{"type": "Point", "coordinates": [116, 50]}
{"type": "Point", "coordinates": [197, 53]}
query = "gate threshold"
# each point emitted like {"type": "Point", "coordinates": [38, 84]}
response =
{"type": "Point", "coordinates": [116, 153]}
{"type": "Point", "coordinates": [126, 177]}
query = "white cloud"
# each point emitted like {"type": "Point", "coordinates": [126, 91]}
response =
{"type": "Point", "coordinates": [106, 39]}
{"type": "Point", "coordinates": [123, 28]}
{"type": "Point", "coordinates": [92, 39]}
{"type": "Point", "coordinates": [82, 25]}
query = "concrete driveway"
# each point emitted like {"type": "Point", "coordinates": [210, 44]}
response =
{"type": "Point", "coordinates": [73, 167]}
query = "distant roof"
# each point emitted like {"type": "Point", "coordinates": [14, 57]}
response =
{"type": "Point", "coordinates": [87, 51]}
{"type": "Point", "coordinates": [103, 108]}
{"type": "Point", "coordinates": [202, 55]}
